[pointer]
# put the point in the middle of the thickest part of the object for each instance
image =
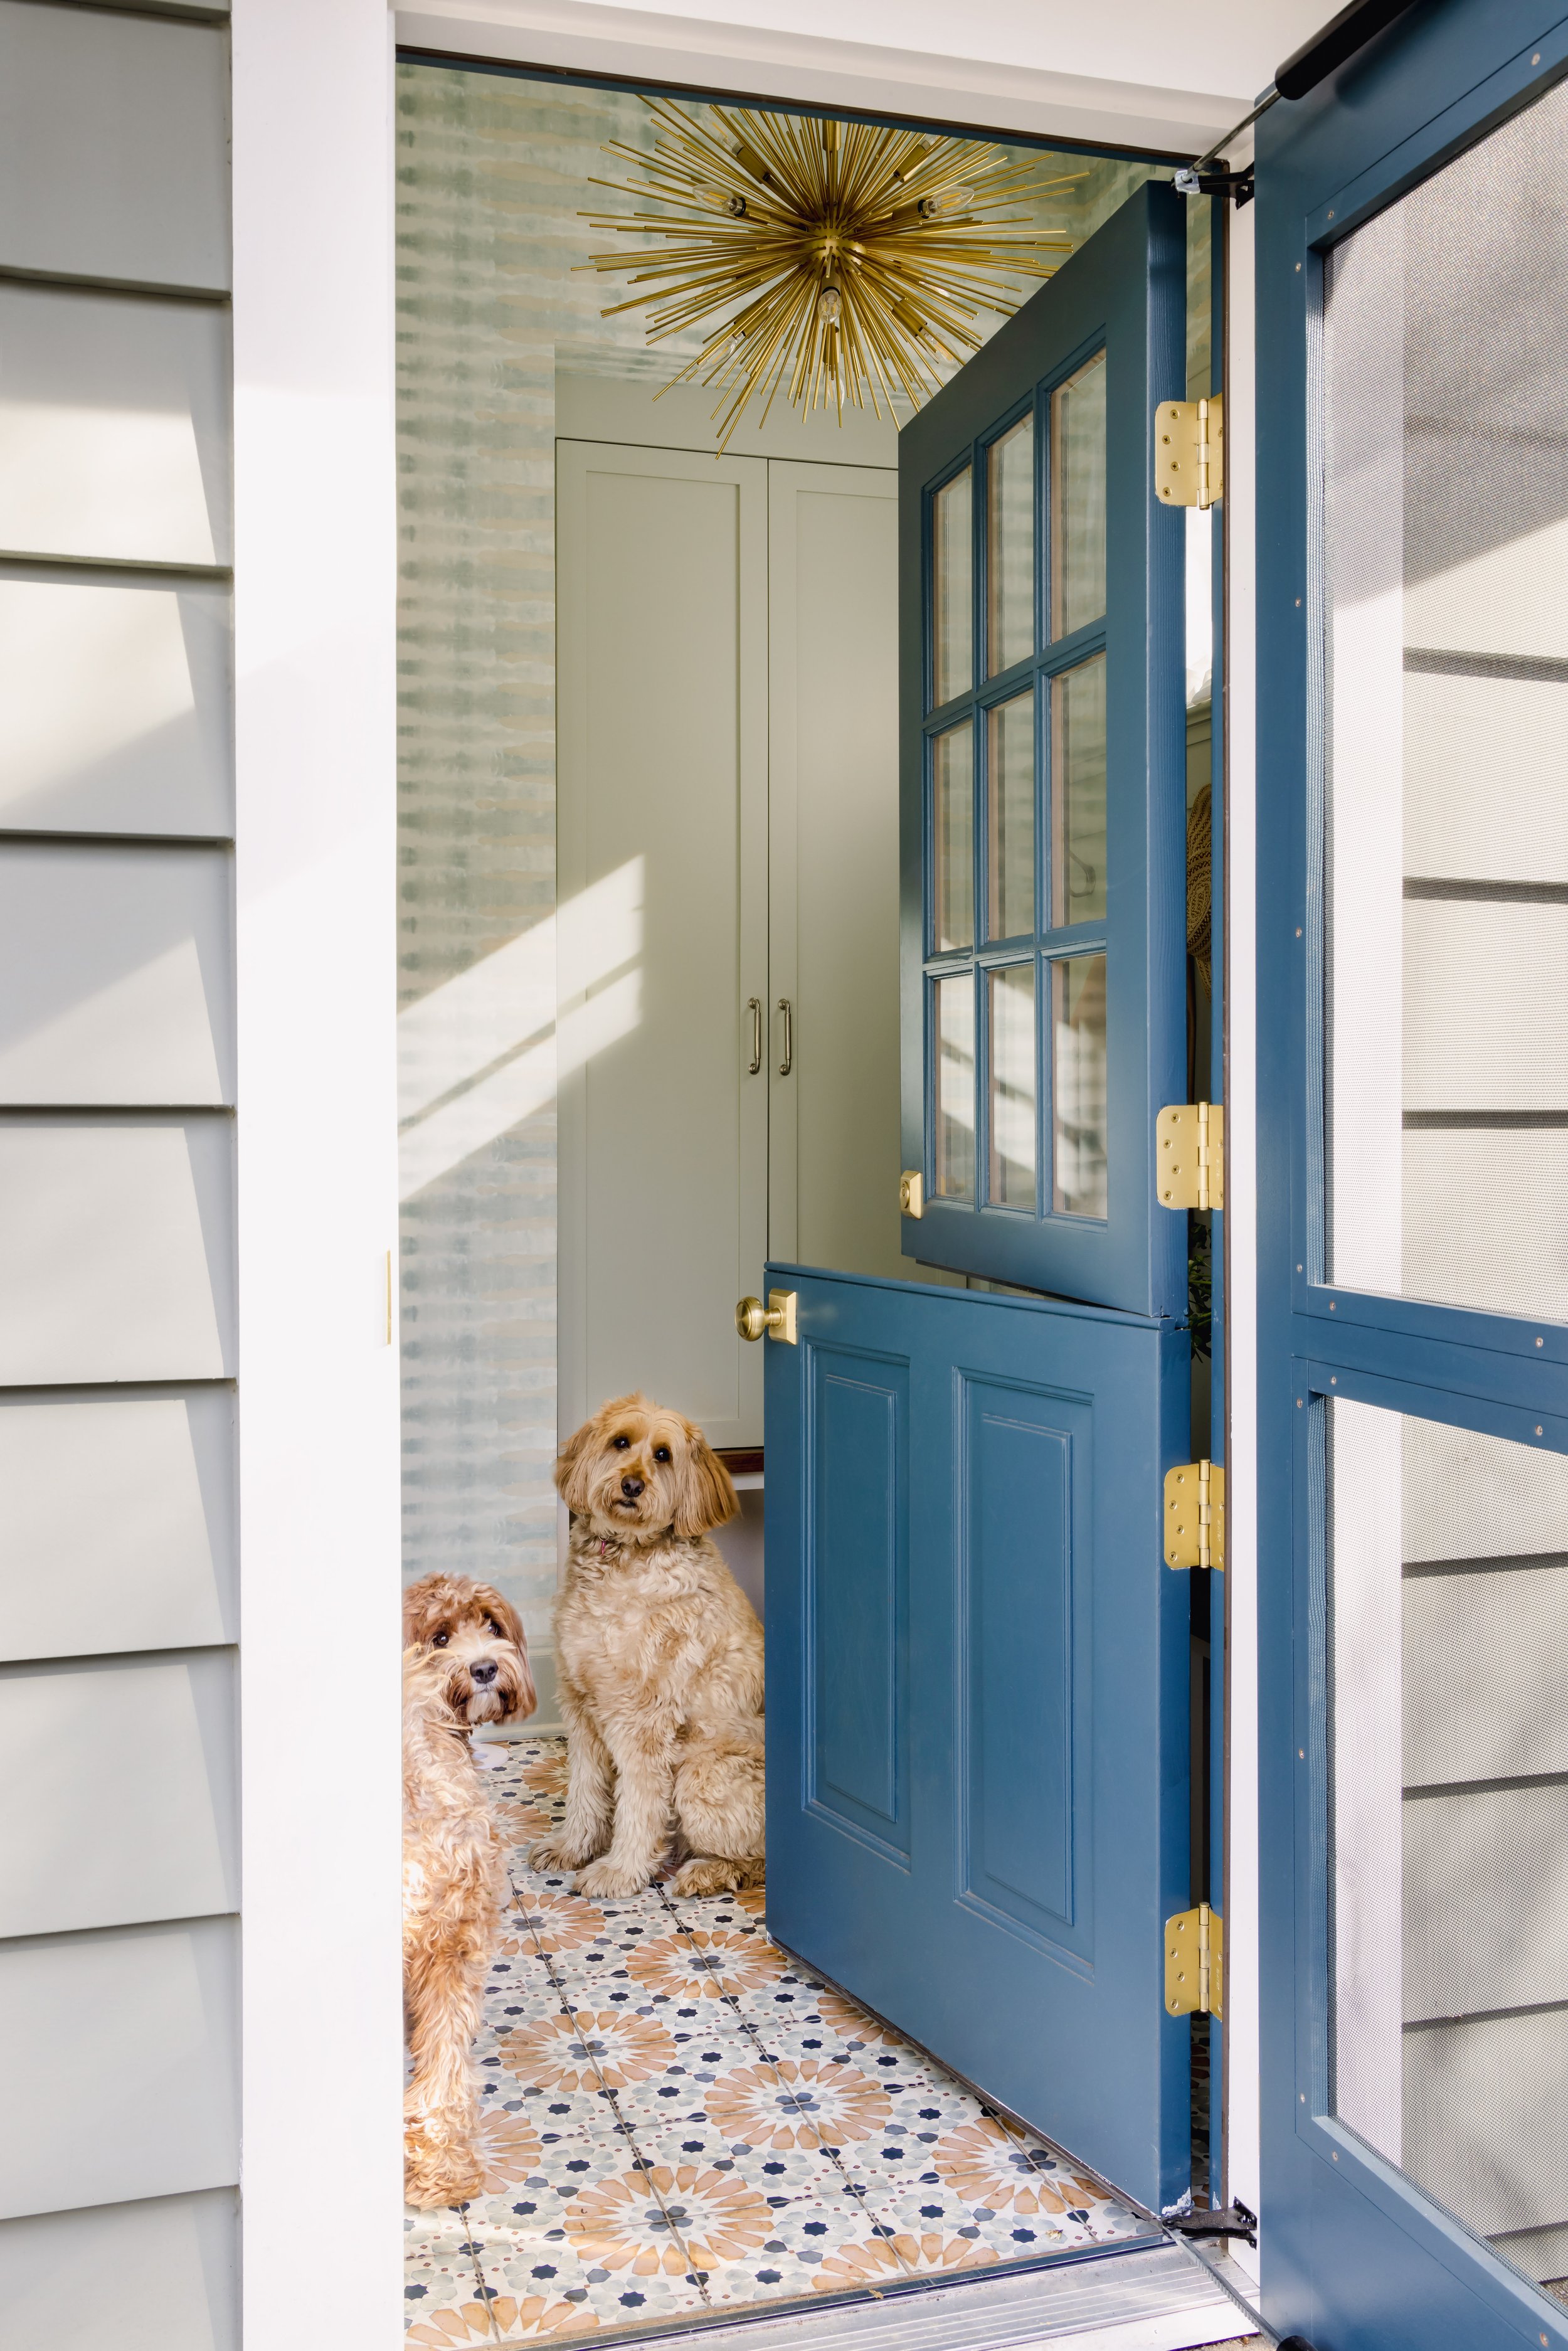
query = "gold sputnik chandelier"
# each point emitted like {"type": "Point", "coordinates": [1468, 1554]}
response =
{"type": "Point", "coordinates": [836, 257]}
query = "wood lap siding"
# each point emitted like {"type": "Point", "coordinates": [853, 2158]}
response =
{"type": "Point", "coordinates": [119, 1867]}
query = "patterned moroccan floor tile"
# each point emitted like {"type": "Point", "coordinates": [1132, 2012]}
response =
{"type": "Point", "coordinates": [678, 2115]}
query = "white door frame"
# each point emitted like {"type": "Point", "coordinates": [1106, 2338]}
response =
{"type": "Point", "coordinates": [316, 707]}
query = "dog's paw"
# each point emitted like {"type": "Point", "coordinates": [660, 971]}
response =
{"type": "Point", "coordinates": [704, 1875]}
{"type": "Point", "coordinates": [606, 1881]}
{"type": "Point", "coordinates": [437, 2175]}
{"type": "Point", "coordinates": [555, 1852]}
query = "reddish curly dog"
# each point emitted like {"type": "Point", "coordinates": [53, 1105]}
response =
{"type": "Point", "coordinates": [659, 1656]}
{"type": "Point", "coordinates": [464, 1661]}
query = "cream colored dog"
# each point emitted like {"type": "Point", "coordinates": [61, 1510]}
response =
{"type": "Point", "coordinates": [464, 1661]}
{"type": "Point", "coordinates": [659, 1656]}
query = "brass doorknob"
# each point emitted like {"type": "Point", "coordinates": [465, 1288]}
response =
{"type": "Point", "coordinates": [776, 1318]}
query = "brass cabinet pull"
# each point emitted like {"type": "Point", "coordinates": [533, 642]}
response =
{"type": "Point", "coordinates": [788, 1063]}
{"type": "Point", "coordinates": [754, 1006]}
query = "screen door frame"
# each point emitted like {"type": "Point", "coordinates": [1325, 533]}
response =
{"type": "Point", "coordinates": [1353, 2254]}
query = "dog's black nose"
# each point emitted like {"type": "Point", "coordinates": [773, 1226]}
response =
{"type": "Point", "coordinates": [482, 1672]}
{"type": "Point", "coordinates": [631, 1487]}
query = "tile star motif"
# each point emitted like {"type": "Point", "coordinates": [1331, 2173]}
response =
{"type": "Point", "coordinates": [446, 2330]}
{"type": "Point", "coordinates": [543, 1768]}
{"type": "Point", "coordinates": [630, 2223]}
{"type": "Point", "coordinates": [700, 1964]}
{"type": "Point", "coordinates": [607, 2047]}
{"type": "Point", "coordinates": [508, 2146]}
{"type": "Point", "coordinates": [561, 1922]}
{"type": "Point", "coordinates": [797, 2103]}
{"type": "Point", "coordinates": [519, 1820]}
{"type": "Point", "coordinates": [993, 2171]}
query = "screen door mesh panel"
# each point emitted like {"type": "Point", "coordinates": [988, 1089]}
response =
{"type": "Point", "coordinates": [1446, 453]}
{"type": "Point", "coordinates": [1448, 1657]}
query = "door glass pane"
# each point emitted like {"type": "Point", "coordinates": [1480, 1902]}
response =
{"type": "Point", "coordinates": [953, 1002]}
{"type": "Point", "coordinates": [952, 591]}
{"type": "Point", "coordinates": [1078, 1084]}
{"type": "Point", "coordinates": [1078, 794]}
{"type": "Point", "coordinates": [1078, 499]}
{"type": "Point", "coordinates": [1449, 1774]}
{"type": "Point", "coordinates": [953, 840]}
{"type": "Point", "coordinates": [1010, 547]}
{"type": "Point", "coordinates": [1446, 654]}
{"type": "Point", "coordinates": [1011, 1013]}
{"type": "Point", "coordinates": [1010, 817]}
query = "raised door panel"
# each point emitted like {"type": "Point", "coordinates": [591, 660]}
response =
{"type": "Point", "coordinates": [118, 1527]}
{"type": "Point", "coordinates": [661, 928]}
{"type": "Point", "coordinates": [113, 147]}
{"type": "Point", "coordinates": [858, 1595]}
{"type": "Point", "coordinates": [1026, 1473]}
{"type": "Point", "coordinates": [117, 705]}
{"type": "Point", "coordinates": [137, 2029]}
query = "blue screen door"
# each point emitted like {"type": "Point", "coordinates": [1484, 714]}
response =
{"type": "Point", "coordinates": [1413, 1084]}
{"type": "Point", "coordinates": [977, 1659]}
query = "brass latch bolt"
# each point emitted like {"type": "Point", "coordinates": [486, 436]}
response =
{"type": "Point", "coordinates": [1195, 1515]}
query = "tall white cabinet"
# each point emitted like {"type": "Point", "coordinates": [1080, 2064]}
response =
{"type": "Point", "coordinates": [727, 928]}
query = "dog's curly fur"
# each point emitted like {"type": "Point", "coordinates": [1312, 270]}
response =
{"type": "Point", "coordinates": [659, 1663]}
{"type": "Point", "coordinates": [465, 1661]}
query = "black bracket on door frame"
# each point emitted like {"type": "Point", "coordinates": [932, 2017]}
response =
{"type": "Point", "coordinates": [1233, 2221]}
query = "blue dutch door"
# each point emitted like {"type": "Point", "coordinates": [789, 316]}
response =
{"type": "Point", "coordinates": [978, 1661]}
{"type": "Point", "coordinates": [1413, 1161]}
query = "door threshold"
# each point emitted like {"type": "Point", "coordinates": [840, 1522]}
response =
{"type": "Point", "coordinates": [1146, 2296]}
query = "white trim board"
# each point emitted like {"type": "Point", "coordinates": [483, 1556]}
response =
{"type": "Point", "coordinates": [1085, 108]}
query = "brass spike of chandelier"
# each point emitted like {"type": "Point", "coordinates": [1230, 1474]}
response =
{"type": "Point", "coordinates": [842, 256]}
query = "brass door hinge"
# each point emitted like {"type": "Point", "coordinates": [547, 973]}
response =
{"type": "Point", "coordinates": [1195, 1515]}
{"type": "Point", "coordinates": [911, 1193]}
{"type": "Point", "coordinates": [1189, 452]}
{"type": "Point", "coordinates": [1189, 1155]}
{"type": "Point", "coordinates": [1195, 1963]}
{"type": "Point", "coordinates": [776, 1318]}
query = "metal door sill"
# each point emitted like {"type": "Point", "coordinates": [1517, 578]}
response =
{"type": "Point", "coordinates": [1146, 2295]}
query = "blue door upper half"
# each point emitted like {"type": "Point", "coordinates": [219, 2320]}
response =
{"type": "Point", "coordinates": [1042, 787]}
{"type": "Point", "coordinates": [1412, 285]}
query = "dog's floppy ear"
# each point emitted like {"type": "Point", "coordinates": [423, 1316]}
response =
{"type": "Point", "coordinates": [570, 1471]}
{"type": "Point", "coordinates": [505, 1614]}
{"type": "Point", "coordinates": [423, 1603]}
{"type": "Point", "coordinates": [709, 1499]}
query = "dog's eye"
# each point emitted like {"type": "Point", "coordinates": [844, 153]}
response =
{"type": "Point", "coordinates": [660, 1452]}
{"type": "Point", "coordinates": [622, 1443]}
{"type": "Point", "coordinates": [439, 1640]}
{"type": "Point", "coordinates": [491, 1626]}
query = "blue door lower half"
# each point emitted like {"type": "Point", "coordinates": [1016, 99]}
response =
{"type": "Point", "coordinates": [978, 1695]}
